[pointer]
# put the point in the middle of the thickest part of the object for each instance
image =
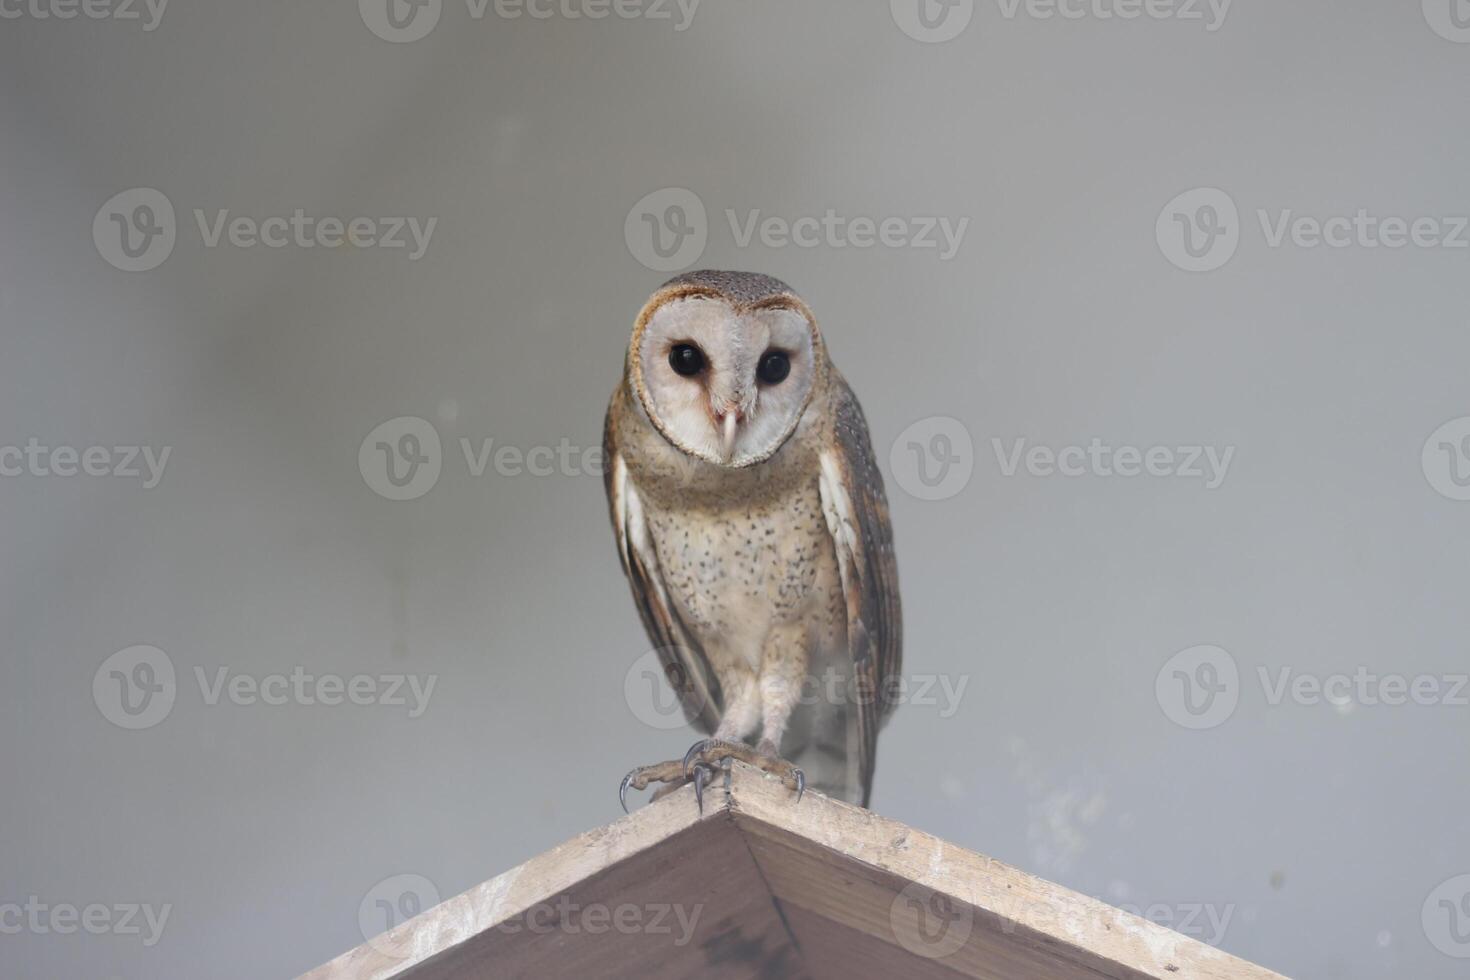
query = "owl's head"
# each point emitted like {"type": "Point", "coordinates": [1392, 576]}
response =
{"type": "Point", "coordinates": [725, 363]}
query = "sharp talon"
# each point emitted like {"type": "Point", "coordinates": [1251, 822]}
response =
{"type": "Point", "coordinates": [702, 775]}
{"type": "Point", "coordinates": [800, 784]}
{"type": "Point", "coordinates": [623, 792]}
{"type": "Point", "coordinates": [690, 756]}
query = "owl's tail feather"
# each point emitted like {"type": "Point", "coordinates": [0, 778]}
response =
{"type": "Point", "coordinates": [824, 746]}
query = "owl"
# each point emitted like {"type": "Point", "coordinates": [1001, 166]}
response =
{"type": "Point", "coordinates": [750, 518]}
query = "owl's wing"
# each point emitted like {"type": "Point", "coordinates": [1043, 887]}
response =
{"type": "Point", "coordinates": [684, 662]}
{"type": "Point", "coordinates": [857, 517]}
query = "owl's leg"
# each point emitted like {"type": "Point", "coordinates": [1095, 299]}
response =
{"type": "Point", "coordinates": [783, 666]}
{"type": "Point", "coordinates": [783, 671]}
{"type": "Point", "coordinates": [741, 716]}
{"type": "Point", "coordinates": [743, 713]}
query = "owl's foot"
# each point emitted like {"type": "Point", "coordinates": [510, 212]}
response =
{"type": "Point", "coordinates": [673, 774]}
{"type": "Point", "coordinates": [713, 751]}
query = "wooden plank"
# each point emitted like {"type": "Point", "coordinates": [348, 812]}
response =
{"type": "Point", "coordinates": [980, 917]}
{"type": "Point", "coordinates": [926, 927]}
{"type": "Point", "coordinates": [763, 886]}
{"type": "Point", "coordinates": [660, 894]}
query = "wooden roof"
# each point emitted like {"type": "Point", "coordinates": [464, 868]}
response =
{"type": "Point", "coordinates": [763, 886]}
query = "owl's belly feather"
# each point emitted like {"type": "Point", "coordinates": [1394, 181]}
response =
{"type": "Point", "coordinates": [735, 573]}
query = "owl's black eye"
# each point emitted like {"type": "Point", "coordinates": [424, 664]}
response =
{"type": "Point", "coordinates": [686, 359]}
{"type": "Point", "coordinates": [774, 367]}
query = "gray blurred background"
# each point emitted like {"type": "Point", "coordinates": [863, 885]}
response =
{"type": "Point", "coordinates": [1323, 839]}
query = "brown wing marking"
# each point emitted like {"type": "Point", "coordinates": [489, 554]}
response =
{"type": "Point", "coordinates": [684, 662]}
{"type": "Point", "coordinates": [857, 517]}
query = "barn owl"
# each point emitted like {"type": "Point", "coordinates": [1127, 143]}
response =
{"type": "Point", "coordinates": [752, 525]}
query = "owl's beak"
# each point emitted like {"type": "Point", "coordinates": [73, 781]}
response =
{"type": "Point", "coordinates": [729, 421]}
